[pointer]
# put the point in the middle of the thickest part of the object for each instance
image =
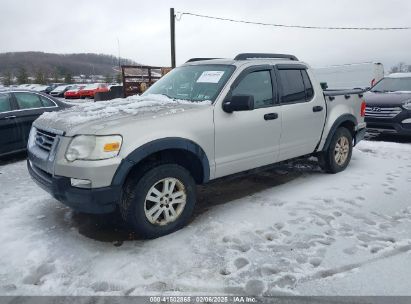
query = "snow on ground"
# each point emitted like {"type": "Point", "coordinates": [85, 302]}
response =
{"type": "Point", "coordinates": [291, 230]}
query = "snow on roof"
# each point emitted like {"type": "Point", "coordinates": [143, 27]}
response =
{"type": "Point", "coordinates": [399, 75]}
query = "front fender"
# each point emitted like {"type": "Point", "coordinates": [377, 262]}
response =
{"type": "Point", "coordinates": [157, 146]}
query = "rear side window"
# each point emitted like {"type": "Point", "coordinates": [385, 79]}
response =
{"type": "Point", "coordinates": [296, 86]}
{"type": "Point", "coordinates": [28, 101]}
{"type": "Point", "coordinates": [5, 104]}
{"type": "Point", "coordinates": [47, 102]}
{"type": "Point", "coordinates": [258, 84]}
{"type": "Point", "coordinates": [293, 86]}
{"type": "Point", "coordinates": [309, 91]}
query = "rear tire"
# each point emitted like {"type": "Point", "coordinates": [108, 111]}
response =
{"type": "Point", "coordinates": [338, 155]}
{"type": "Point", "coordinates": [159, 201]}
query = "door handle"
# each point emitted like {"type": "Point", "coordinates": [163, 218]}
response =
{"type": "Point", "coordinates": [317, 109]}
{"type": "Point", "coordinates": [270, 116]}
{"type": "Point", "coordinates": [10, 117]}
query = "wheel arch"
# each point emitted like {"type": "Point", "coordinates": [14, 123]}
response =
{"type": "Point", "coordinates": [172, 149]}
{"type": "Point", "coordinates": [348, 121]}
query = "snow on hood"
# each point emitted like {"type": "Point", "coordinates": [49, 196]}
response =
{"type": "Point", "coordinates": [386, 99]}
{"type": "Point", "coordinates": [151, 104]}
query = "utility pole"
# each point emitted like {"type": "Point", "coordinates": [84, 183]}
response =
{"type": "Point", "coordinates": [173, 37]}
{"type": "Point", "coordinates": [119, 60]}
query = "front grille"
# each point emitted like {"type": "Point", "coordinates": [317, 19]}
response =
{"type": "Point", "coordinates": [44, 139]}
{"type": "Point", "coordinates": [379, 112]}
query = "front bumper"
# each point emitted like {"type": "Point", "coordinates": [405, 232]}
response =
{"type": "Point", "coordinates": [393, 125]}
{"type": "Point", "coordinates": [389, 128]}
{"type": "Point", "coordinates": [87, 94]}
{"type": "Point", "coordinates": [72, 96]}
{"type": "Point", "coordinates": [95, 200]}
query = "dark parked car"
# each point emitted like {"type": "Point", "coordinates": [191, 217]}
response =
{"type": "Point", "coordinates": [388, 108]}
{"type": "Point", "coordinates": [51, 87]}
{"type": "Point", "coordinates": [60, 90]}
{"type": "Point", "coordinates": [18, 110]}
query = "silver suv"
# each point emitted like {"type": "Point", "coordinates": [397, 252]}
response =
{"type": "Point", "coordinates": [202, 121]}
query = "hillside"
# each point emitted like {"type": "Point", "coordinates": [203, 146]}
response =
{"type": "Point", "coordinates": [61, 64]}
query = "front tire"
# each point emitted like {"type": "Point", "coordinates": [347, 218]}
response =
{"type": "Point", "coordinates": [160, 201]}
{"type": "Point", "coordinates": [338, 155]}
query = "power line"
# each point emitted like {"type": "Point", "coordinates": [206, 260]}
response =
{"type": "Point", "coordinates": [180, 14]}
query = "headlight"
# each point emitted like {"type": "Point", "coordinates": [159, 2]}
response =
{"type": "Point", "coordinates": [90, 147]}
{"type": "Point", "coordinates": [407, 105]}
{"type": "Point", "coordinates": [32, 137]}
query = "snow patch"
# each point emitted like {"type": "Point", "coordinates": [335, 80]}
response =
{"type": "Point", "coordinates": [119, 107]}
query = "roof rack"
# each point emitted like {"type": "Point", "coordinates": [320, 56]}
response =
{"type": "Point", "coordinates": [200, 59]}
{"type": "Point", "coordinates": [245, 56]}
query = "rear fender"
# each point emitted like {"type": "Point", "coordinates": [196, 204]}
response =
{"type": "Point", "coordinates": [339, 122]}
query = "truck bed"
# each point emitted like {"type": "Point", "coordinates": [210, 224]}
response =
{"type": "Point", "coordinates": [344, 92]}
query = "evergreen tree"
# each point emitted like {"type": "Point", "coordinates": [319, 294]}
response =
{"type": "Point", "coordinates": [40, 77]}
{"type": "Point", "coordinates": [119, 78]}
{"type": "Point", "coordinates": [22, 76]}
{"type": "Point", "coordinates": [7, 79]}
{"type": "Point", "coordinates": [108, 78]}
{"type": "Point", "coordinates": [56, 77]}
{"type": "Point", "coordinates": [68, 78]}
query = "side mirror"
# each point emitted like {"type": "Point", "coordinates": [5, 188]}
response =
{"type": "Point", "coordinates": [324, 85]}
{"type": "Point", "coordinates": [238, 103]}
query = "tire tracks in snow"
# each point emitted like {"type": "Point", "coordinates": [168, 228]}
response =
{"type": "Point", "coordinates": [325, 273]}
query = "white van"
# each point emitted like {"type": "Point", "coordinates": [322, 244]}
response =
{"type": "Point", "coordinates": [349, 76]}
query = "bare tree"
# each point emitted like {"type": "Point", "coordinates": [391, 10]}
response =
{"type": "Point", "coordinates": [401, 67]}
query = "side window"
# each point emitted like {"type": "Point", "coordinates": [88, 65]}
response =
{"type": "Point", "coordinates": [257, 84]}
{"type": "Point", "coordinates": [47, 102]}
{"type": "Point", "coordinates": [28, 100]}
{"type": "Point", "coordinates": [5, 104]}
{"type": "Point", "coordinates": [293, 86]}
{"type": "Point", "coordinates": [309, 91]}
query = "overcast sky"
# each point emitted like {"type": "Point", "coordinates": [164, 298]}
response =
{"type": "Point", "coordinates": [142, 28]}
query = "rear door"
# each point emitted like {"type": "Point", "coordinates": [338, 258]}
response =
{"type": "Point", "coordinates": [249, 139]}
{"type": "Point", "coordinates": [10, 139]}
{"type": "Point", "coordinates": [30, 106]}
{"type": "Point", "coordinates": [303, 112]}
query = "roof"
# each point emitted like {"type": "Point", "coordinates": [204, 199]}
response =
{"type": "Point", "coordinates": [254, 61]}
{"type": "Point", "coordinates": [399, 75]}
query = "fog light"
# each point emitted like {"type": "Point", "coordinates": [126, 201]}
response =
{"type": "Point", "coordinates": [408, 120]}
{"type": "Point", "coordinates": [80, 183]}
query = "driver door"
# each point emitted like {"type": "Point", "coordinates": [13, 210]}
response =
{"type": "Point", "coordinates": [10, 131]}
{"type": "Point", "coordinates": [249, 139]}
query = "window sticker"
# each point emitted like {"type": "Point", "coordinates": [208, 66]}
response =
{"type": "Point", "coordinates": [210, 76]}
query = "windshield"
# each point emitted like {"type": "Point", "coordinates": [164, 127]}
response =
{"type": "Point", "coordinates": [91, 86]}
{"type": "Point", "coordinates": [393, 85]}
{"type": "Point", "coordinates": [194, 83]}
{"type": "Point", "coordinates": [60, 88]}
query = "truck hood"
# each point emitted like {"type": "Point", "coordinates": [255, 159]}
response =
{"type": "Point", "coordinates": [387, 99]}
{"type": "Point", "coordinates": [92, 117]}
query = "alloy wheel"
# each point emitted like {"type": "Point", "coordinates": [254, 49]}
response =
{"type": "Point", "coordinates": [165, 201]}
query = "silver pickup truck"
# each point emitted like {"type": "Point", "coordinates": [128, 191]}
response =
{"type": "Point", "coordinates": [206, 119]}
